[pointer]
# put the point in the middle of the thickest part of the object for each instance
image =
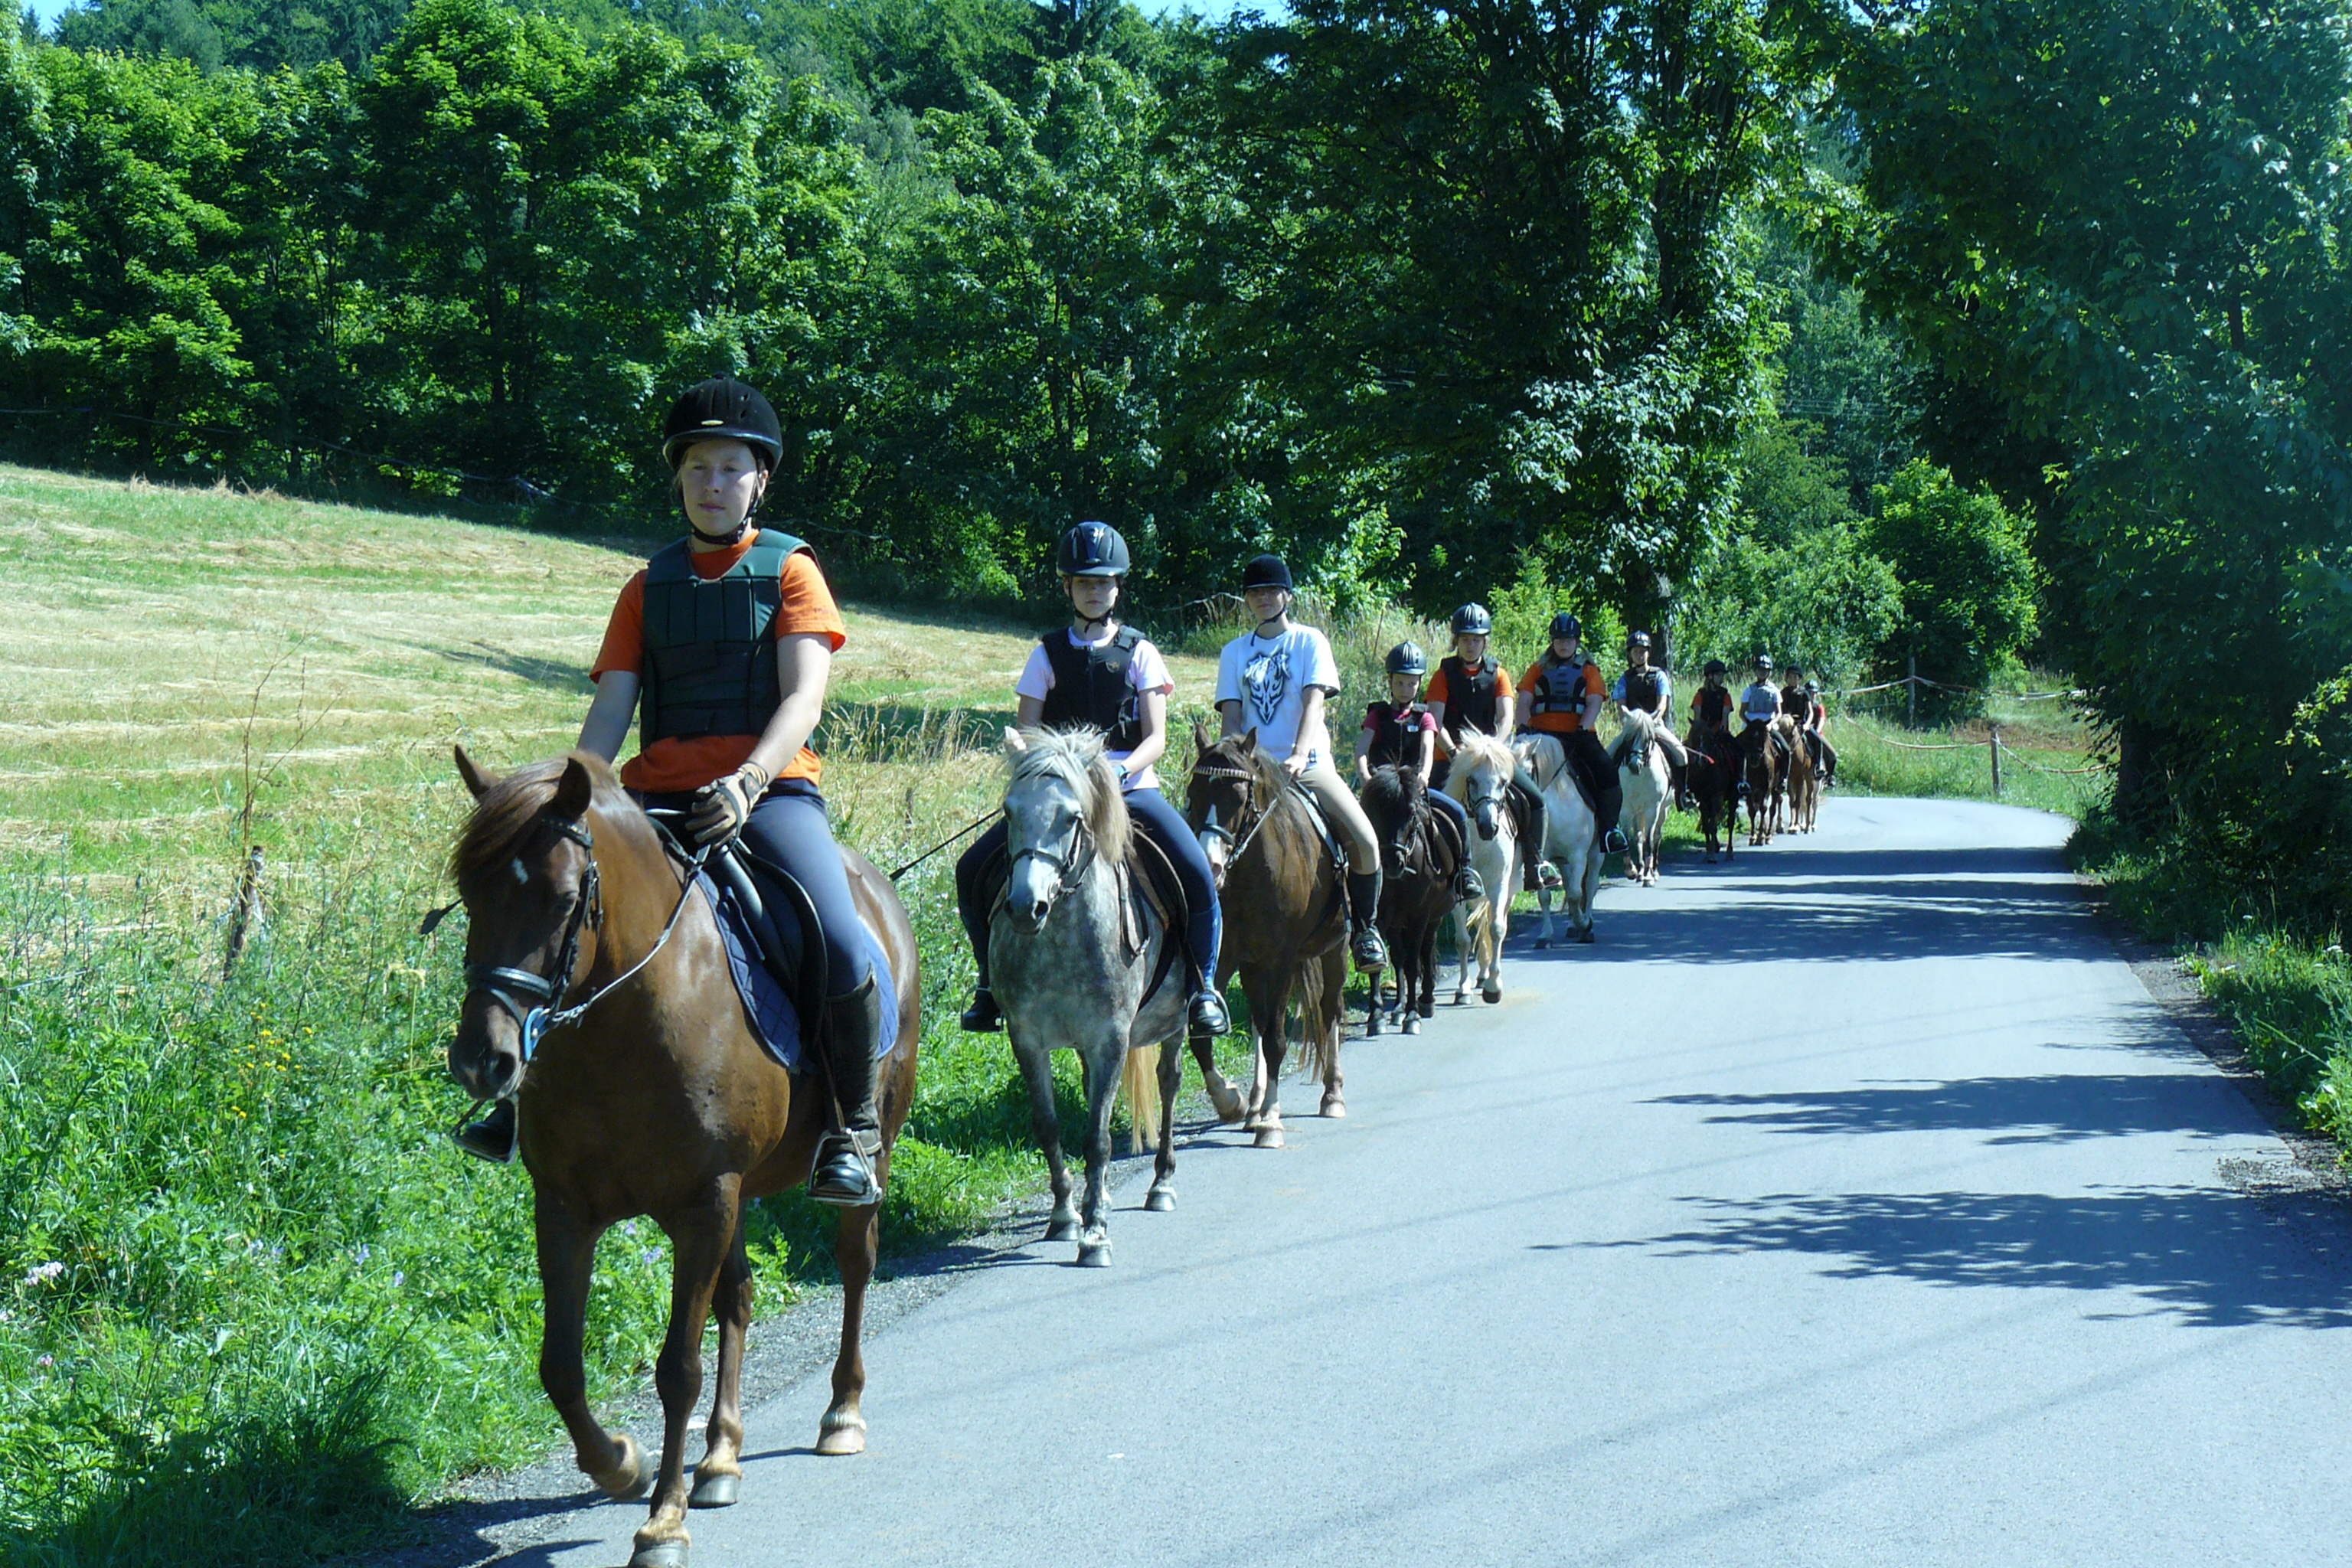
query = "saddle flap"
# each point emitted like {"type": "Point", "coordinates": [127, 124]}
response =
{"type": "Point", "coordinates": [777, 910]}
{"type": "Point", "coordinates": [1152, 879]}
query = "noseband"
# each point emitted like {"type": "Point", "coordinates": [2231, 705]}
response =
{"type": "Point", "coordinates": [1247, 779]}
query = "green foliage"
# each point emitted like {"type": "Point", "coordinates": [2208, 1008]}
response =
{"type": "Point", "coordinates": [1967, 583]}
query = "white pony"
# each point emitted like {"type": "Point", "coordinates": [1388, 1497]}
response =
{"type": "Point", "coordinates": [1643, 747]}
{"type": "Point", "coordinates": [1570, 841]}
{"type": "Point", "coordinates": [1481, 774]}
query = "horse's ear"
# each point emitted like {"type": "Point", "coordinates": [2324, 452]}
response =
{"type": "Point", "coordinates": [573, 792]}
{"type": "Point", "coordinates": [1014, 746]}
{"type": "Point", "coordinates": [1249, 738]}
{"type": "Point", "coordinates": [476, 780]}
{"type": "Point", "coordinates": [1201, 741]}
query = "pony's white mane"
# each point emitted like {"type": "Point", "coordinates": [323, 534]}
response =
{"type": "Point", "coordinates": [1075, 757]}
{"type": "Point", "coordinates": [1638, 724]}
{"type": "Point", "coordinates": [1474, 750]}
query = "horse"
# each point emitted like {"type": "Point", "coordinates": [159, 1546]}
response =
{"type": "Point", "coordinates": [1803, 781]}
{"type": "Point", "coordinates": [1714, 782]}
{"type": "Point", "coordinates": [1286, 914]}
{"type": "Point", "coordinates": [1641, 773]}
{"type": "Point", "coordinates": [1570, 841]}
{"type": "Point", "coordinates": [650, 1095]}
{"type": "Point", "coordinates": [1419, 861]}
{"type": "Point", "coordinates": [1481, 780]}
{"type": "Point", "coordinates": [1763, 764]}
{"type": "Point", "coordinates": [1073, 955]}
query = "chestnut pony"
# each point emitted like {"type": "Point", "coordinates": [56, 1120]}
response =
{"type": "Point", "coordinates": [656, 1100]}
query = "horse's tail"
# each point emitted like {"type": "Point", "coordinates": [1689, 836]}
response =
{"type": "Point", "coordinates": [1139, 1080]}
{"type": "Point", "coordinates": [1322, 1007]}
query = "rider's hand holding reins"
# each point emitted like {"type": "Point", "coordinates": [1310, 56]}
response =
{"type": "Point", "coordinates": [722, 806]}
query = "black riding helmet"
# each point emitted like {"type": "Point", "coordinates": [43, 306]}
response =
{"type": "Point", "coordinates": [1406, 659]}
{"type": "Point", "coordinates": [1472, 621]}
{"type": "Point", "coordinates": [1764, 663]}
{"type": "Point", "coordinates": [1266, 572]}
{"type": "Point", "coordinates": [1564, 625]}
{"type": "Point", "coordinates": [1716, 667]}
{"type": "Point", "coordinates": [1637, 639]}
{"type": "Point", "coordinates": [723, 409]}
{"type": "Point", "coordinates": [1091, 550]}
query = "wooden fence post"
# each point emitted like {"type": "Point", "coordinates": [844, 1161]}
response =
{"type": "Point", "coordinates": [1995, 744]}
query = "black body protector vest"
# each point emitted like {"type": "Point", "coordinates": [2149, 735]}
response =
{"type": "Point", "coordinates": [1470, 692]}
{"type": "Point", "coordinates": [1396, 734]}
{"type": "Point", "coordinates": [1644, 690]}
{"type": "Point", "coordinates": [1798, 703]}
{"type": "Point", "coordinates": [1711, 706]}
{"type": "Point", "coordinates": [1093, 686]}
{"type": "Point", "coordinates": [710, 652]}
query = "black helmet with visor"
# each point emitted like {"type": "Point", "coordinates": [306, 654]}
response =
{"type": "Point", "coordinates": [723, 409]}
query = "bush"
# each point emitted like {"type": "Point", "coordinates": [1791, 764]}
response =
{"type": "Point", "coordinates": [1968, 583]}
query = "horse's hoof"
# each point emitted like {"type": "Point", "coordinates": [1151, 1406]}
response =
{"type": "Point", "coordinates": [659, 1554]}
{"type": "Point", "coordinates": [1229, 1107]}
{"type": "Point", "coordinates": [838, 1434]}
{"type": "Point", "coordinates": [1541, 942]}
{"type": "Point", "coordinates": [715, 1490]}
{"type": "Point", "coordinates": [1061, 1230]}
{"type": "Point", "coordinates": [1427, 1009]}
{"type": "Point", "coordinates": [1160, 1200]}
{"type": "Point", "coordinates": [1335, 1106]}
{"type": "Point", "coordinates": [625, 1482]}
{"type": "Point", "coordinates": [1585, 935]}
{"type": "Point", "coordinates": [1493, 994]}
{"type": "Point", "coordinates": [1095, 1255]}
{"type": "Point", "coordinates": [1411, 1026]}
{"type": "Point", "coordinates": [1269, 1138]}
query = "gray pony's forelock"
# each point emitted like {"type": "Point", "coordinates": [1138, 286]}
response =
{"type": "Point", "coordinates": [1077, 757]}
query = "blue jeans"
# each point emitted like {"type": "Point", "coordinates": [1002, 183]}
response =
{"type": "Point", "coordinates": [788, 826]}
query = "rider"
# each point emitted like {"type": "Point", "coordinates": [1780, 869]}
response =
{"type": "Point", "coordinates": [1472, 690]}
{"type": "Point", "coordinates": [1818, 724]}
{"type": "Point", "coordinates": [1560, 696]}
{"type": "Point", "coordinates": [1402, 732]}
{"type": "Point", "coordinates": [1758, 706]}
{"type": "Point", "coordinates": [1101, 673]}
{"type": "Point", "coordinates": [721, 650]}
{"type": "Point", "coordinates": [1274, 679]}
{"type": "Point", "coordinates": [1711, 706]}
{"type": "Point", "coordinates": [1652, 690]}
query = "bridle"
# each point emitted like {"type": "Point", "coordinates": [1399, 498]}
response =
{"type": "Point", "coordinates": [1211, 828]}
{"type": "Point", "coordinates": [530, 998]}
{"type": "Point", "coordinates": [1068, 863]}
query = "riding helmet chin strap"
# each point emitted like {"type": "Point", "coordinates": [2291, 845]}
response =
{"type": "Point", "coordinates": [740, 529]}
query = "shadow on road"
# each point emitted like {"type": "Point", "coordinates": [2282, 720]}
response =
{"type": "Point", "coordinates": [2216, 1257]}
{"type": "Point", "coordinates": [2048, 1108]}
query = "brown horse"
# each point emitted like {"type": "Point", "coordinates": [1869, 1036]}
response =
{"type": "Point", "coordinates": [1419, 861]}
{"type": "Point", "coordinates": [1766, 756]}
{"type": "Point", "coordinates": [1286, 917]}
{"type": "Point", "coordinates": [649, 1095]}
{"type": "Point", "coordinates": [1714, 770]}
{"type": "Point", "coordinates": [1804, 782]}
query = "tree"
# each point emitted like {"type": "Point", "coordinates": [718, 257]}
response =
{"type": "Point", "coordinates": [1967, 583]}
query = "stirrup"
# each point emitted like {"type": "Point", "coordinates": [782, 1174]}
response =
{"type": "Point", "coordinates": [1207, 1014]}
{"type": "Point", "coordinates": [1468, 886]}
{"type": "Point", "coordinates": [983, 1016]}
{"type": "Point", "coordinates": [1548, 876]}
{"type": "Point", "coordinates": [1366, 949]}
{"type": "Point", "coordinates": [843, 1174]}
{"type": "Point", "coordinates": [492, 1138]}
{"type": "Point", "coordinates": [1613, 841]}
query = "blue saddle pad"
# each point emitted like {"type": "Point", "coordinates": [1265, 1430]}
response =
{"type": "Point", "coordinates": [774, 1021]}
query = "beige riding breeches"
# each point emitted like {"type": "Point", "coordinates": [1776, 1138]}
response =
{"type": "Point", "coordinates": [1349, 826]}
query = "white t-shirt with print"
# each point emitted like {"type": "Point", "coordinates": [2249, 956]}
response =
{"type": "Point", "coordinates": [1269, 677]}
{"type": "Point", "coordinates": [1146, 671]}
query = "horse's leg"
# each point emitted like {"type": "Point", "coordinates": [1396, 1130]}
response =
{"type": "Point", "coordinates": [1268, 990]}
{"type": "Point", "coordinates": [1045, 1126]}
{"type": "Point", "coordinates": [1429, 969]}
{"type": "Point", "coordinates": [1222, 1095]}
{"type": "Point", "coordinates": [567, 1257]}
{"type": "Point", "coordinates": [719, 1479]}
{"type": "Point", "coordinates": [1162, 1195]}
{"type": "Point", "coordinates": [700, 1237]}
{"type": "Point", "coordinates": [856, 1242]}
{"type": "Point", "coordinates": [1461, 926]}
{"type": "Point", "coordinates": [1332, 1018]}
{"type": "Point", "coordinates": [1102, 1064]}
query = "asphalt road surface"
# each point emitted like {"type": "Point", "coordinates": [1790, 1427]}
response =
{"type": "Point", "coordinates": [1855, 1204]}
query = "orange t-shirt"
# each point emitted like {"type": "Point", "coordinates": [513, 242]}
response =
{"type": "Point", "coordinates": [684, 762]}
{"type": "Point", "coordinates": [1504, 690]}
{"type": "Point", "coordinates": [1559, 723]}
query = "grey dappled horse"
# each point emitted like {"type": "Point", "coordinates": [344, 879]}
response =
{"type": "Point", "coordinates": [1071, 952]}
{"type": "Point", "coordinates": [1570, 840]}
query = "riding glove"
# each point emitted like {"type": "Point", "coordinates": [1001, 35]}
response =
{"type": "Point", "coordinates": [723, 806]}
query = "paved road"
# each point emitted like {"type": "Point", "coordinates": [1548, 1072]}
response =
{"type": "Point", "coordinates": [1857, 1206]}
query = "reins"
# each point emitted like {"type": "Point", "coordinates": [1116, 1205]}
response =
{"type": "Point", "coordinates": [984, 818]}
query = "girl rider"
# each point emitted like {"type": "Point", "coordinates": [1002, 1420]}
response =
{"type": "Point", "coordinates": [1560, 697]}
{"type": "Point", "coordinates": [1402, 733]}
{"type": "Point", "coordinates": [1100, 673]}
{"type": "Point", "coordinates": [1758, 706]}
{"type": "Point", "coordinates": [1274, 680]}
{"type": "Point", "coordinates": [1472, 690]}
{"type": "Point", "coordinates": [1710, 731]}
{"type": "Point", "coordinates": [721, 650]}
{"type": "Point", "coordinates": [1652, 691]}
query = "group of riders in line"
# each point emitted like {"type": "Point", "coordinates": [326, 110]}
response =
{"type": "Point", "coordinates": [719, 651]}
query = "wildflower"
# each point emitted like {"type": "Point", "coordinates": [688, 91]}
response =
{"type": "Point", "coordinates": [47, 1360]}
{"type": "Point", "coordinates": [652, 1256]}
{"type": "Point", "coordinates": [399, 1278]}
{"type": "Point", "coordinates": [44, 1273]}
{"type": "Point", "coordinates": [364, 1253]}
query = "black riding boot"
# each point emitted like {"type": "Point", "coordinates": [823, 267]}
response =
{"type": "Point", "coordinates": [1535, 871]}
{"type": "Point", "coordinates": [1205, 1014]}
{"type": "Point", "coordinates": [493, 1137]}
{"type": "Point", "coordinates": [1612, 805]}
{"type": "Point", "coordinates": [846, 1174]}
{"type": "Point", "coordinates": [982, 1017]}
{"type": "Point", "coordinates": [1364, 943]}
{"type": "Point", "coordinates": [1678, 776]}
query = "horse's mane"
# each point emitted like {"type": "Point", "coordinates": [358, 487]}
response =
{"type": "Point", "coordinates": [1637, 723]}
{"type": "Point", "coordinates": [505, 811]}
{"type": "Point", "coordinates": [1474, 749]}
{"type": "Point", "coordinates": [1075, 757]}
{"type": "Point", "coordinates": [1388, 785]}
